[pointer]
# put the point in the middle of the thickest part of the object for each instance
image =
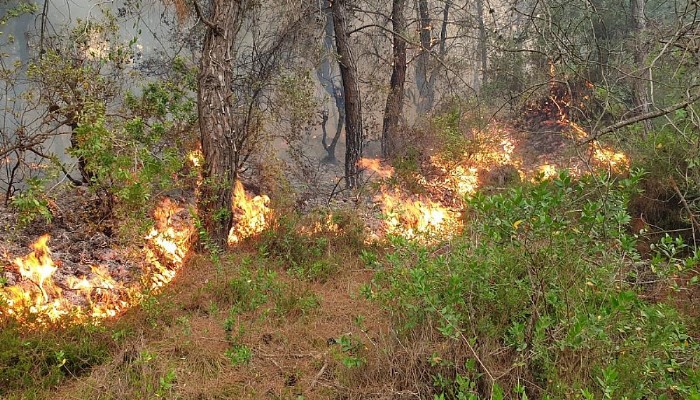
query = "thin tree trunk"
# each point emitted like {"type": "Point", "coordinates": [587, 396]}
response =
{"type": "Point", "coordinates": [353, 105]}
{"type": "Point", "coordinates": [394, 101]}
{"type": "Point", "coordinates": [641, 83]}
{"type": "Point", "coordinates": [220, 140]}
{"type": "Point", "coordinates": [332, 85]}
{"type": "Point", "coordinates": [483, 57]}
{"type": "Point", "coordinates": [425, 26]}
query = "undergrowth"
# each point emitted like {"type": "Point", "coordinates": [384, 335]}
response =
{"type": "Point", "coordinates": [540, 293]}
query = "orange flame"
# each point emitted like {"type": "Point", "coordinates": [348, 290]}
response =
{"type": "Point", "coordinates": [410, 218]}
{"type": "Point", "coordinates": [607, 157]}
{"type": "Point", "coordinates": [251, 215]}
{"type": "Point", "coordinates": [375, 166]}
{"type": "Point", "coordinates": [41, 297]}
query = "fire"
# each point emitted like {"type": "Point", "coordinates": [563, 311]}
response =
{"type": "Point", "coordinates": [375, 166]}
{"type": "Point", "coordinates": [196, 158]}
{"type": "Point", "coordinates": [545, 172]}
{"type": "Point", "coordinates": [325, 226]}
{"type": "Point", "coordinates": [251, 214]}
{"type": "Point", "coordinates": [605, 156]}
{"type": "Point", "coordinates": [43, 297]}
{"type": "Point", "coordinates": [39, 298]}
{"type": "Point", "coordinates": [168, 243]}
{"type": "Point", "coordinates": [413, 217]}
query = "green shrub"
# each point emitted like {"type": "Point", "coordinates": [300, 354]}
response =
{"type": "Point", "coordinates": [542, 278]}
{"type": "Point", "coordinates": [313, 247]}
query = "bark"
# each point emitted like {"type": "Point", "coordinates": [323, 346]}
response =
{"type": "Point", "coordinates": [220, 140]}
{"type": "Point", "coordinates": [483, 56]}
{"type": "Point", "coordinates": [641, 84]}
{"type": "Point", "coordinates": [353, 104]}
{"type": "Point", "coordinates": [330, 147]}
{"type": "Point", "coordinates": [425, 26]}
{"type": "Point", "coordinates": [326, 73]}
{"type": "Point", "coordinates": [394, 100]}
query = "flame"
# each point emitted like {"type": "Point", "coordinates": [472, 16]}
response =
{"type": "Point", "coordinates": [168, 243]}
{"type": "Point", "coordinates": [606, 156]}
{"type": "Point", "coordinates": [43, 297]}
{"type": "Point", "coordinates": [327, 226]}
{"type": "Point", "coordinates": [375, 166]}
{"type": "Point", "coordinates": [251, 214]}
{"type": "Point", "coordinates": [39, 298]}
{"type": "Point", "coordinates": [196, 158]}
{"type": "Point", "coordinates": [545, 172]}
{"type": "Point", "coordinates": [411, 217]}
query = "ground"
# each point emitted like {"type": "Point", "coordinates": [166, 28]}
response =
{"type": "Point", "coordinates": [281, 316]}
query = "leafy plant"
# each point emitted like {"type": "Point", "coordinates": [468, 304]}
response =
{"type": "Point", "coordinates": [32, 203]}
{"type": "Point", "coordinates": [350, 351]}
{"type": "Point", "coordinates": [542, 275]}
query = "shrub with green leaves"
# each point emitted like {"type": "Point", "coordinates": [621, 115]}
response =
{"type": "Point", "coordinates": [542, 278]}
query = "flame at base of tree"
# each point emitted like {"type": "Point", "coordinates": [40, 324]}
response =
{"type": "Point", "coordinates": [40, 299]}
{"type": "Point", "coordinates": [251, 214]}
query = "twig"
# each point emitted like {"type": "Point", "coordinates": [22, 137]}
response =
{"type": "Point", "coordinates": [687, 208]}
{"type": "Point", "coordinates": [318, 375]}
{"type": "Point", "coordinates": [333, 191]}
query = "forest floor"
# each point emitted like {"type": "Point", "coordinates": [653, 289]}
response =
{"type": "Point", "coordinates": [258, 321]}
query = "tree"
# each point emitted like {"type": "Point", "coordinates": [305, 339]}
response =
{"type": "Point", "coordinates": [220, 138]}
{"type": "Point", "coordinates": [353, 102]}
{"type": "Point", "coordinates": [326, 73]}
{"type": "Point", "coordinates": [394, 101]}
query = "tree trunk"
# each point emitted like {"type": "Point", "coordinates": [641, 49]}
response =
{"type": "Point", "coordinates": [326, 73]}
{"type": "Point", "coordinates": [353, 105]}
{"type": "Point", "coordinates": [483, 57]}
{"type": "Point", "coordinates": [641, 83]}
{"type": "Point", "coordinates": [394, 100]}
{"type": "Point", "coordinates": [220, 140]}
{"type": "Point", "coordinates": [425, 26]}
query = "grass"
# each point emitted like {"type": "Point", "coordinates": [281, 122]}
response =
{"type": "Point", "coordinates": [308, 311]}
{"type": "Point", "coordinates": [254, 324]}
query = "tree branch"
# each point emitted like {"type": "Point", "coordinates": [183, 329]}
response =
{"type": "Point", "coordinates": [643, 117]}
{"type": "Point", "coordinates": [204, 19]}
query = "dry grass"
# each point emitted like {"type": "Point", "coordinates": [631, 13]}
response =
{"type": "Point", "coordinates": [175, 346]}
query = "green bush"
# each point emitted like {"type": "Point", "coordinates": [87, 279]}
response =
{"type": "Point", "coordinates": [542, 277]}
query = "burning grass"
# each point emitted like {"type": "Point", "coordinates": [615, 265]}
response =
{"type": "Point", "coordinates": [42, 296]}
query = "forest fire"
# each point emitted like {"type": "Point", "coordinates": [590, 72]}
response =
{"type": "Point", "coordinates": [609, 158]}
{"type": "Point", "coordinates": [41, 297]}
{"type": "Point", "coordinates": [413, 217]}
{"type": "Point", "coordinates": [251, 214]}
{"type": "Point", "coordinates": [374, 165]}
{"type": "Point", "coordinates": [168, 243]}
